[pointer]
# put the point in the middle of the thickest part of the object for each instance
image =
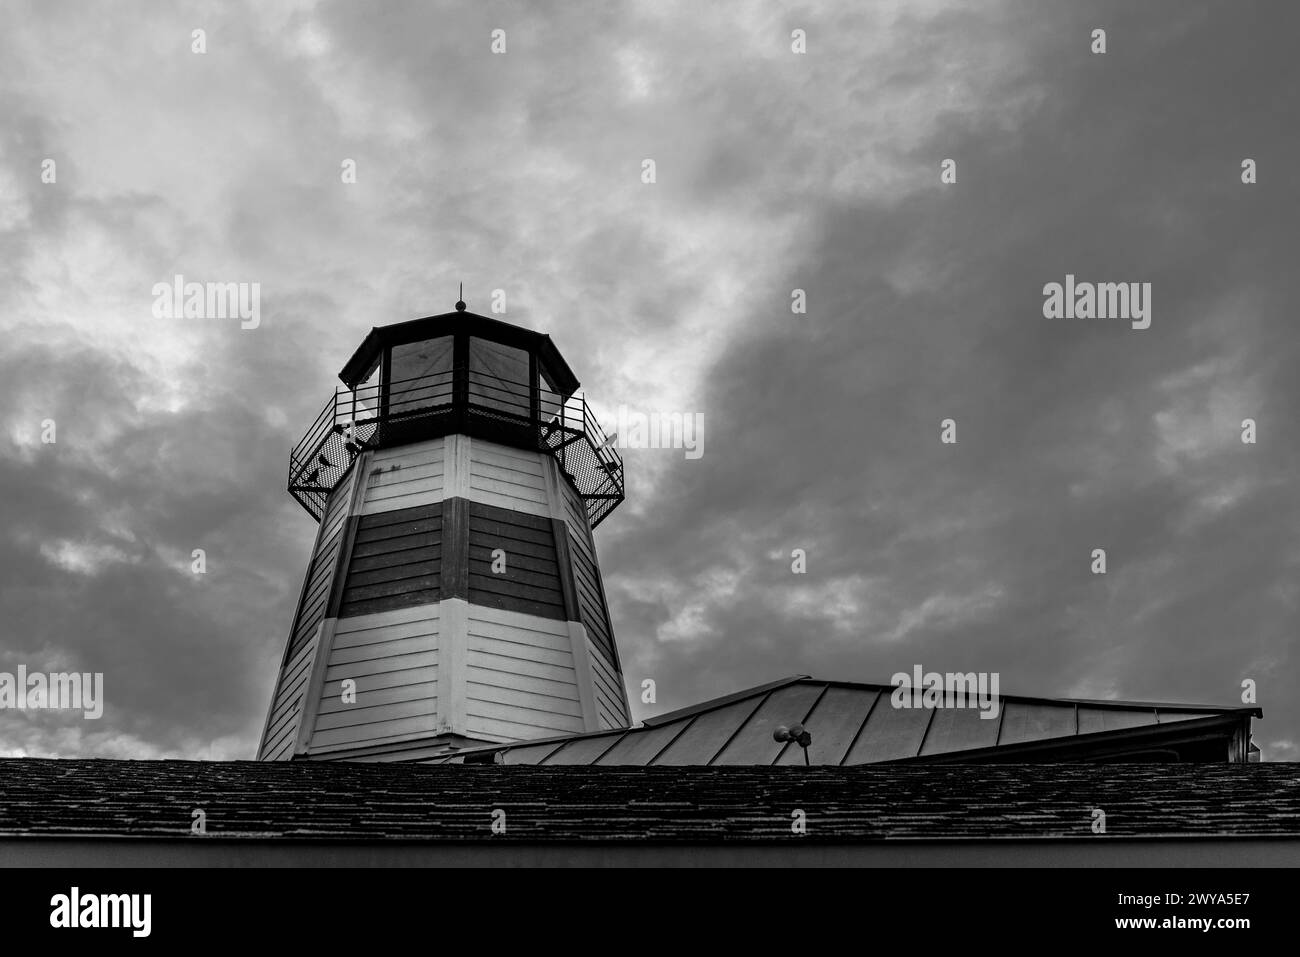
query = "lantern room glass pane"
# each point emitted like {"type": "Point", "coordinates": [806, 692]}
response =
{"type": "Point", "coordinates": [419, 375]}
{"type": "Point", "coordinates": [549, 399]}
{"type": "Point", "coordinates": [498, 377]}
{"type": "Point", "coordinates": [360, 406]}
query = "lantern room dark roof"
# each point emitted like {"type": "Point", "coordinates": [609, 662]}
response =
{"type": "Point", "coordinates": [450, 323]}
{"type": "Point", "coordinates": [854, 723]}
{"type": "Point", "coordinates": [356, 802]}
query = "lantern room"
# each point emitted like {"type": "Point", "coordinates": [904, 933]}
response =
{"type": "Point", "coordinates": [457, 373]}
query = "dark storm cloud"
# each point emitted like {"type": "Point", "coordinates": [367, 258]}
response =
{"type": "Point", "coordinates": [824, 434]}
{"type": "Point", "coordinates": [776, 172]}
{"type": "Point", "coordinates": [97, 553]}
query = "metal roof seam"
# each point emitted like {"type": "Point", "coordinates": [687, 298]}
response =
{"type": "Point", "coordinates": [671, 741]}
{"type": "Point", "coordinates": [926, 733]}
{"type": "Point", "coordinates": [740, 727]}
{"type": "Point", "coordinates": [549, 754]}
{"type": "Point", "coordinates": [862, 727]}
{"type": "Point", "coordinates": [617, 741]}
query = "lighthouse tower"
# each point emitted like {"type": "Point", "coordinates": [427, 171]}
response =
{"type": "Point", "coordinates": [453, 596]}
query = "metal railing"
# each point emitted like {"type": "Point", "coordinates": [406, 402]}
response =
{"type": "Point", "coordinates": [444, 403]}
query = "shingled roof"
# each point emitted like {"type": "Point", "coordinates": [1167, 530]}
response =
{"type": "Point", "coordinates": [355, 802]}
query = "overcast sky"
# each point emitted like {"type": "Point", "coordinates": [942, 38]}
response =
{"type": "Point", "coordinates": [775, 171]}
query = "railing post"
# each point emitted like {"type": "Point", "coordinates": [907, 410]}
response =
{"type": "Point", "coordinates": [534, 400]}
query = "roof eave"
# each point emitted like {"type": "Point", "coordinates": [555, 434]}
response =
{"type": "Point", "coordinates": [1153, 736]}
{"type": "Point", "coordinates": [449, 323]}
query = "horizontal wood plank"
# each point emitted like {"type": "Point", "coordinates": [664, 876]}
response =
{"type": "Point", "coordinates": [365, 713]}
{"type": "Point", "coordinates": [387, 664]}
{"type": "Point", "coordinates": [373, 733]}
{"type": "Point", "coordinates": [382, 682]}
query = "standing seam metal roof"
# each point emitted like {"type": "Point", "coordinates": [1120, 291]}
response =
{"type": "Point", "coordinates": [854, 723]}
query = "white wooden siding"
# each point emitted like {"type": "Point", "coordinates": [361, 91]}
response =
{"type": "Point", "coordinates": [520, 678]}
{"type": "Point", "coordinates": [393, 658]}
{"type": "Point", "coordinates": [337, 513]}
{"type": "Point", "coordinates": [506, 477]}
{"type": "Point", "coordinates": [574, 510]}
{"type": "Point", "coordinates": [404, 476]}
{"type": "Point", "coordinates": [611, 699]}
{"type": "Point", "coordinates": [286, 710]}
